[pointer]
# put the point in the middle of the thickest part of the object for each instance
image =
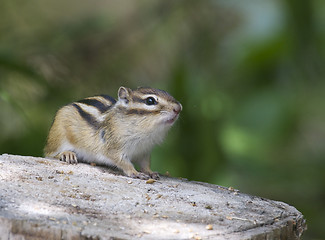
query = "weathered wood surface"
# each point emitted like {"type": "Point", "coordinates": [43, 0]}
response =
{"type": "Point", "coordinates": [48, 199]}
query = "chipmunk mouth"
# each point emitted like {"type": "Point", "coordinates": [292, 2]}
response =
{"type": "Point", "coordinates": [171, 118]}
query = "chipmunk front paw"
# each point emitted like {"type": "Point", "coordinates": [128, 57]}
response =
{"type": "Point", "coordinates": [140, 175]}
{"type": "Point", "coordinates": [154, 175]}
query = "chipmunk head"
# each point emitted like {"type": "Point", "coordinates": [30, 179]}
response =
{"type": "Point", "coordinates": [148, 107]}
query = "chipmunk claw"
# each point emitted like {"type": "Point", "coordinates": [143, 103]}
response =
{"type": "Point", "coordinates": [68, 157]}
{"type": "Point", "coordinates": [154, 175]}
{"type": "Point", "coordinates": [140, 175]}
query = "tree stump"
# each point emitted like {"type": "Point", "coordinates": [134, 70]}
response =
{"type": "Point", "coordinates": [49, 199]}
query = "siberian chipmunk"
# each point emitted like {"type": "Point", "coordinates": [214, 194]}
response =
{"type": "Point", "coordinates": [105, 131]}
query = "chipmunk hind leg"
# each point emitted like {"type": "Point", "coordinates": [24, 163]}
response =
{"type": "Point", "coordinates": [61, 149]}
{"type": "Point", "coordinates": [68, 157]}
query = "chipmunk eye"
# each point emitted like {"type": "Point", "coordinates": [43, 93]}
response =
{"type": "Point", "coordinates": [151, 101]}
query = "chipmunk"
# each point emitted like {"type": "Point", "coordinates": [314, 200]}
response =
{"type": "Point", "coordinates": [102, 130]}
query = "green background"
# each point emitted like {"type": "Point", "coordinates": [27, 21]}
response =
{"type": "Point", "coordinates": [249, 74]}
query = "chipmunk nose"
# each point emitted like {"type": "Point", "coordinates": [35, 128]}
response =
{"type": "Point", "coordinates": [178, 108]}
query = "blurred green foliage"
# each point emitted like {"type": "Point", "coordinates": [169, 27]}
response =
{"type": "Point", "coordinates": [250, 75]}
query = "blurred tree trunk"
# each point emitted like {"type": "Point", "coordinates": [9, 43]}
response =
{"type": "Point", "coordinates": [301, 24]}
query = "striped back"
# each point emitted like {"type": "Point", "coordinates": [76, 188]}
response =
{"type": "Point", "coordinates": [92, 109]}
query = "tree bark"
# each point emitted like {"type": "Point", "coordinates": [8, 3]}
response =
{"type": "Point", "coordinates": [49, 199]}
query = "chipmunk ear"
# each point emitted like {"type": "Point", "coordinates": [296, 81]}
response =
{"type": "Point", "coordinates": [124, 94]}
